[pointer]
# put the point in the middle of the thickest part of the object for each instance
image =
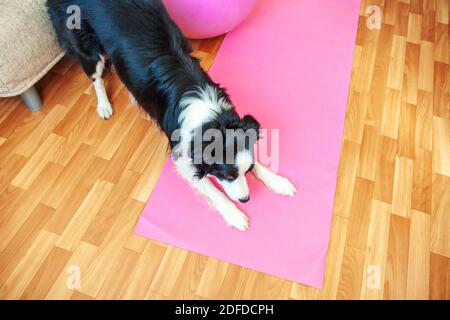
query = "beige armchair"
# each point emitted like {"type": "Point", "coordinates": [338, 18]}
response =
{"type": "Point", "coordinates": [28, 48]}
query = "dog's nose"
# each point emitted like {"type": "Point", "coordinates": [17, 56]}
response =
{"type": "Point", "coordinates": [245, 200]}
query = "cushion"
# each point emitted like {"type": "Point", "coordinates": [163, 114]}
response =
{"type": "Point", "coordinates": [28, 46]}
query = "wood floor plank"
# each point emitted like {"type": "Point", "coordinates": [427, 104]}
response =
{"type": "Point", "coordinates": [212, 278]}
{"type": "Point", "coordinates": [358, 225]}
{"type": "Point", "coordinates": [419, 257]}
{"type": "Point", "coordinates": [96, 273]}
{"type": "Point", "coordinates": [42, 281]}
{"type": "Point", "coordinates": [441, 105]}
{"type": "Point", "coordinates": [407, 129]}
{"type": "Point", "coordinates": [17, 125]}
{"type": "Point", "coordinates": [440, 217]}
{"type": "Point", "coordinates": [36, 138]}
{"type": "Point", "coordinates": [346, 177]}
{"type": "Point", "coordinates": [23, 239]}
{"type": "Point", "coordinates": [136, 243]}
{"type": "Point", "coordinates": [375, 109]}
{"type": "Point", "coordinates": [441, 139]}
{"type": "Point", "coordinates": [369, 153]}
{"type": "Point", "coordinates": [168, 271]}
{"type": "Point", "coordinates": [145, 272]}
{"type": "Point", "coordinates": [426, 66]}
{"type": "Point", "coordinates": [414, 28]}
{"type": "Point", "coordinates": [125, 151]}
{"type": "Point", "coordinates": [422, 181]}
{"type": "Point", "coordinates": [397, 65]}
{"type": "Point", "coordinates": [18, 280]}
{"type": "Point", "coordinates": [428, 20]}
{"type": "Point", "coordinates": [442, 11]}
{"type": "Point", "coordinates": [402, 190]}
{"type": "Point", "coordinates": [119, 276]}
{"type": "Point", "coordinates": [102, 223]}
{"type": "Point", "coordinates": [64, 287]}
{"type": "Point", "coordinates": [11, 169]}
{"type": "Point", "coordinates": [424, 121]}
{"type": "Point", "coordinates": [357, 106]}
{"type": "Point", "coordinates": [117, 134]}
{"type": "Point", "coordinates": [395, 285]}
{"type": "Point", "coordinates": [391, 114]}
{"type": "Point", "coordinates": [146, 183]}
{"type": "Point", "coordinates": [441, 41]}
{"type": "Point", "coordinates": [351, 275]}
{"type": "Point", "coordinates": [37, 162]}
{"type": "Point", "coordinates": [439, 277]}
{"type": "Point", "coordinates": [69, 178]}
{"type": "Point", "coordinates": [384, 179]}
{"type": "Point", "coordinates": [376, 254]}
{"type": "Point", "coordinates": [411, 76]}
{"type": "Point", "coordinates": [74, 231]}
{"type": "Point", "coordinates": [190, 275]}
{"type": "Point", "coordinates": [71, 202]}
{"type": "Point", "coordinates": [266, 287]}
{"type": "Point", "coordinates": [23, 207]}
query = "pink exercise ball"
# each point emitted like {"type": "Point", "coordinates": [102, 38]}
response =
{"type": "Point", "coordinates": [200, 19]}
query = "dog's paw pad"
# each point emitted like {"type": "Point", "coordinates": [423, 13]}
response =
{"type": "Point", "coordinates": [104, 111]}
{"type": "Point", "coordinates": [283, 186]}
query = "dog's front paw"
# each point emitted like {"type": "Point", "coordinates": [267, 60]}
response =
{"type": "Point", "coordinates": [104, 111]}
{"type": "Point", "coordinates": [235, 218]}
{"type": "Point", "coordinates": [282, 186]}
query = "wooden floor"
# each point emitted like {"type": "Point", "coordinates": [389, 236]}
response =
{"type": "Point", "coordinates": [73, 186]}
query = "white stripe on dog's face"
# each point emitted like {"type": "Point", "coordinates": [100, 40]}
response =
{"type": "Point", "coordinates": [238, 189]}
{"type": "Point", "coordinates": [244, 160]}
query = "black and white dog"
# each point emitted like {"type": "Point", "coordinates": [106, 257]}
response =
{"type": "Point", "coordinates": [154, 61]}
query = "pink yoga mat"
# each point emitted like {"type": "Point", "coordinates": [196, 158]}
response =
{"type": "Point", "coordinates": [289, 65]}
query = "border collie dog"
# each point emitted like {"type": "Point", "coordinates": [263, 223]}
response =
{"type": "Point", "coordinates": [153, 59]}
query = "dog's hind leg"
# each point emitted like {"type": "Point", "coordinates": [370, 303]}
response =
{"type": "Point", "coordinates": [84, 45]}
{"type": "Point", "coordinates": [104, 108]}
{"type": "Point", "coordinates": [94, 68]}
{"type": "Point", "coordinates": [278, 184]}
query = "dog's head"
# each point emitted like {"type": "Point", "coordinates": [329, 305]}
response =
{"type": "Point", "coordinates": [224, 149]}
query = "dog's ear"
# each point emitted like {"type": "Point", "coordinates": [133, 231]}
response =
{"type": "Point", "coordinates": [251, 123]}
{"type": "Point", "coordinates": [198, 162]}
{"type": "Point", "coordinates": [201, 161]}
